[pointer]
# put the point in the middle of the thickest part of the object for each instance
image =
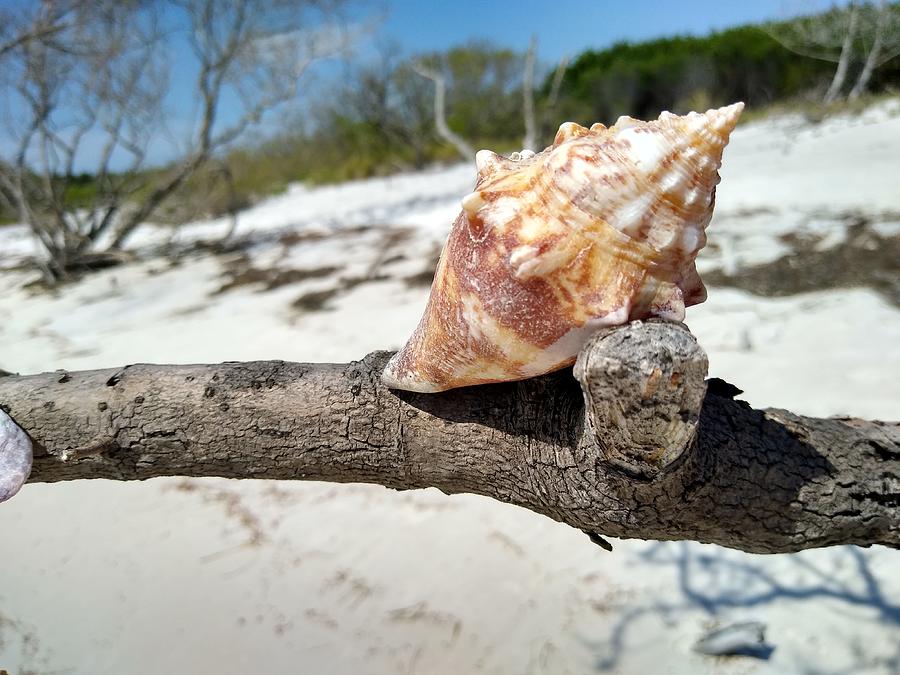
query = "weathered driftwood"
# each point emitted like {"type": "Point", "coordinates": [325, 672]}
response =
{"type": "Point", "coordinates": [653, 454]}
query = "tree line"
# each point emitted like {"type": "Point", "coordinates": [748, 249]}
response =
{"type": "Point", "coordinates": [380, 119]}
{"type": "Point", "coordinates": [98, 69]}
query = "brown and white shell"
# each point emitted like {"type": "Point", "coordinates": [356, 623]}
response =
{"type": "Point", "coordinates": [601, 228]}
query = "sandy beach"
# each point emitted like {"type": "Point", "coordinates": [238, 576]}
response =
{"type": "Point", "coordinates": [211, 575]}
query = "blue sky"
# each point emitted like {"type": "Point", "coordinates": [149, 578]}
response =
{"type": "Point", "coordinates": [571, 26]}
{"type": "Point", "coordinates": [563, 27]}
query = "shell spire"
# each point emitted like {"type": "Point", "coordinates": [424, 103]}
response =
{"type": "Point", "coordinates": [601, 228]}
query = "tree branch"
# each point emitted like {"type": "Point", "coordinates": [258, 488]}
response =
{"type": "Point", "coordinates": [440, 113]}
{"type": "Point", "coordinates": [653, 455]}
{"type": "Point", "coordinates": [840, 73]}
{"type": "Point", "coordinates": [529, 142]}
{"type": "Point", "coordinates": [862, 81]}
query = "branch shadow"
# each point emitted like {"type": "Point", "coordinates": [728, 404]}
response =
{"type": "Point", "coordinates": [717, 583]}
{"type": "Point", "coordinates": [549, 408]}
{"type": "Point", "coordinates": [738, 445]}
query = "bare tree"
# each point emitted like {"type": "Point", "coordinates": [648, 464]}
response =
{"type": "Point", "coordinates": [55, 18]}
{"type": "Point", "coordinates": [549, 105]}
{"type": "Point", "coordinates": [860, 33]}
{"type": "Point", "coordinates": [884, 27]}
{"type": "Point", "coordinates": [530, 140]}
{"type": "Point", "coordinates": [828, 36]}
{"type": "Point", "coordinates": [440, 111]}
{"type": "Point", "coordinates": [99, 78]}
{"type": "Point", "coordinates": [95, 77]}
{"type": "Point", "coordinates": [390, 103]}
{"type": "Point", "coordinates": [494, 74]}
{"type": "Point", "coordinates": [638, 444]}
{"type": "Point", "coordinates": [840, 73]}
{"type": "Point", "coordinates": [556, 84]}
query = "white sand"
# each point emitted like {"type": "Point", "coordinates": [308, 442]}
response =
{"type": "Point", "coordinates": [233, 577]}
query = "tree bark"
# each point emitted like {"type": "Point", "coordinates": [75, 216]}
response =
{"type": "Point", "coordinates": [654, 454]}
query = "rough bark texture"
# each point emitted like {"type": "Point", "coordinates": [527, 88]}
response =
{"type": "Point", "coordinates": [654, 455]}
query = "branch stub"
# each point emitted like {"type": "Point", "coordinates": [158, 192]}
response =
{"type": "Point", "coordinates": [644, 384]}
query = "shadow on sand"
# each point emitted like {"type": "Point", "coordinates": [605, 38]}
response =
{"type": "Point", "coordinates": [717, 584]}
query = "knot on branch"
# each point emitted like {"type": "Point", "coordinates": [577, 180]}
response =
{"type": "Point", "coordinates": [644, 385]}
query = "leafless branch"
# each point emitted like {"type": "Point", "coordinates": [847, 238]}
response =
{"type": "Point", "coordinates": [558, 75]}
{"type": "Point", "coordinates": [440, 113]}
{"type": "Point", "coordinates": [860, 33]}
{"type": "Point", "coordinates": [872, 58]}
{"type": "Point", "coordinates": [840, 73]}
{"type": "Point", "coordinates": [530, 140]}
{"type": "Point", "coordinates": [553, 95]}
{"type": "Point", "coordinates": [98, 80]}
{"type": "Point", "coordinates": [53, 20]}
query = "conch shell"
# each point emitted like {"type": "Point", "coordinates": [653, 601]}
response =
{"type": "Point", "coordinates": [599, 229]}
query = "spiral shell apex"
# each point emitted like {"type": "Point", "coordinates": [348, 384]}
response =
{"type": "Point", "coordinates": [601, 228]}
